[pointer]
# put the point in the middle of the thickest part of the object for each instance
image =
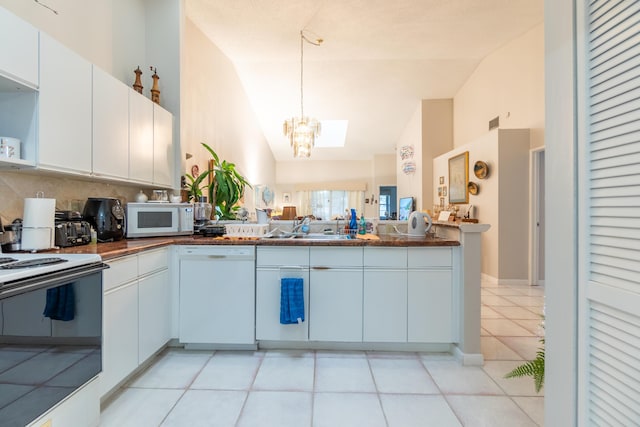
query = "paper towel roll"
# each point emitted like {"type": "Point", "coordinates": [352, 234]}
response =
{"type": "Point", "coordinates": [38, 222]}
{"type": "Point", "coordinates": [39, 212]}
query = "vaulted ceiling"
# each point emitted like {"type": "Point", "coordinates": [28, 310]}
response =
{"type": "Point", "coordinates": [379, 58]}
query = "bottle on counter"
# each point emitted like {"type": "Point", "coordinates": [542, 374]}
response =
{"type": "Point", "coordinates": [363, 226]}
{"type": "Point", "coordinates": [353, 223]}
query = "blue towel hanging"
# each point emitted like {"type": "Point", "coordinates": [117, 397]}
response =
{"type": "Point", "coordinates": [291, 300]}
{"type": "Point", "coordinates": [61, 303]}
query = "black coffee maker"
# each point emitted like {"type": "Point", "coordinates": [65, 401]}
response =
{"type": "Point", "coordinates": [106, 215]}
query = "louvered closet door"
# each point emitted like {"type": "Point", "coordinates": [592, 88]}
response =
{"type": "Point", "coordinates": [609, 377]}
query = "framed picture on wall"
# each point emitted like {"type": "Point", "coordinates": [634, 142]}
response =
{"type": "Point", "coordinates": [286, 197]}
{"type": "Point", "coordinates": [459, 178]}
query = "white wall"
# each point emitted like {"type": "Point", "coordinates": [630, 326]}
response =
{"type": "Point", "coordinates": [437, 138]}
{"type": "Point", "coordinates": [508, 83]}
{"type": "Point", "coordinates": [216, 110]}
{"type": "Point", "coordinates": [410, 185]}
{"type": "Point", "coordinates": [501, 202]}
{"type": "Point", "coordinates": [561, 213]}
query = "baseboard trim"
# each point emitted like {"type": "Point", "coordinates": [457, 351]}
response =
{"type": "Point", "coordinates": [468, 359]}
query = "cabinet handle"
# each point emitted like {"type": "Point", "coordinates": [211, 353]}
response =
{"type": "Point", "coordinates": [216, 256]}
{"type": "Point", "coordinates": [321, 268]}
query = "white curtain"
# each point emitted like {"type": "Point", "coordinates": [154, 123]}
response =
{"type": "Point", "coordinates": [329, 204]}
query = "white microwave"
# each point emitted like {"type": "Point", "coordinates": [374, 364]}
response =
{"type": "Point", "coordinates": [159, 219]}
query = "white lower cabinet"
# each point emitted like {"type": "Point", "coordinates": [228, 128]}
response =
{"type": "Point", "coordinates": [335, 307]}
{"type": "Point", "coordinates": [154, 305]}
{"type": "Point", "coordinates": [430, 307]}
{"type": "Point", "coordinates": [217, 294]}
{"type": "Point", "coordinates": [136, 309]}
{"type": "Point", "coordinates": [120, 335]}
{"type": "Point", "coordinates": [430, 295]}
{"type": "Point", "coordinates": [385, 294]}
{"type": "Point", "coordinates": [385, 305]}
{"type": "Point", "coordinates": [273, 264]}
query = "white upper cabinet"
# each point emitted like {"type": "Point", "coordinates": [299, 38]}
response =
{"type": "Point", "coordinates": [110, 126]}
{"type": "Point", "coordinates": [140, 138]}
{"type": "Point", "coordinates": [64, 109]}
{"type": "Point", "coordinates": [163, 155]}
{"type": "Point", "coordinates": [19, 52]}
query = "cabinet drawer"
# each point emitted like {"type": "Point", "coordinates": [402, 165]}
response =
{"type": "Point", "coordinates": [122, 270]}
{"type": "Point", "coordinates": [385, 257]}
{"type": "Point", "coordinates": [429, 257]}
{"type": "Point", "coordinates": [335, 257]}
{"type": "Point", "coordinates": [151, 261]}
{"type": "Point", "coordinates": [282, 256]}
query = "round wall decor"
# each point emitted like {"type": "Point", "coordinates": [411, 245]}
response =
{"type": "Point", "coordinates": [473, 188]}
{"type": "Point", "coordinates": [481, 169]}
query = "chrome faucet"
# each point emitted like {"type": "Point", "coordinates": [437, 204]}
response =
{"type": "Point", "coordinates": [297, 227]}
{"type": "Point", "coordinates": [338, 225]}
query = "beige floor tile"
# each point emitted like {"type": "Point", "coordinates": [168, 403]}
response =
{"type": "Point", "coordinates": [285, 373]}
{"type": "Point", "coordinates": [139, 407]}
{"type": "Point", "coordinates": [276, 409]}
{"type": "Point", "coordinates": [347, 410]}
{"type": "Point", "coordinates": [524, 386]}
{"type": "Point", "coordinates": [404, 410]}
{"type": "Point", "coordinates": [452, 378]}
{"type": "Point", "coordinates": [174, 369]}
{"type": "Point", "coordinates": [487, 312]}
{"type": "Point", "coordinates": [527, 347]}
{"type": "Point", "coordinates": [343, 375]}
{"type": "Point", "coordinates": [402, 376]}
{"type": "Point", "coordinates": [495, 300]}
{"type": "Point", "coordinates": [505, 327]}
{"type": "Point", "coordinates": [494, 349]}
{"type": "Point", "coordinates": [213, 408]}
{"type": "Point", "coordinates": [517, 313]}
{"type": "Point", "coordinates": [533, 406]}
{"type": "Point", "coordinates": [533, 326]}
{"type": "Point", "coordinates": [489, 411]}
{"type": "Point", "coordinates": [224, 371]}
{"type": "Point", "coordinates": [526, 301]}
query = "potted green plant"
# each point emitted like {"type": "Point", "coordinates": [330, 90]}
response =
{"type": "Point", "coordinates": [226, 187]}
{"type": "Point", "coordinates": [533, 368]}
{"type": "Point", "coordinates": [194, 187]}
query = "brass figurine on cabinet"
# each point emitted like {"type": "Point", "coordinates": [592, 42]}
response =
{"type": "Point", "coordinates": [137, 85]}
{"type": "Point", "coordinates": [155, 92]}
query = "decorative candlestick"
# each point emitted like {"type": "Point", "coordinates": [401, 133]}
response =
{"type": "Point", "coordinates": [155, 92]}
{"type": "Point", "coordinates": [137, 85]}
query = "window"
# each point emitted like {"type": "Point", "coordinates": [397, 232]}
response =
{"type": "Point", "coordinates": [385, 206]}
{"type": "Point", "coordinates": [329, 204]}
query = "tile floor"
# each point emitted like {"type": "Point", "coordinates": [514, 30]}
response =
{"type": "Point", "coordinates": [321, 388]}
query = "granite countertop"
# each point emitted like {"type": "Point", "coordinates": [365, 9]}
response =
{"type": "Point", "coordinates": [124, 247]}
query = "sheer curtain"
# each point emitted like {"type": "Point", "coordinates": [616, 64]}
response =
{"type": "Point", "coordinates": [328, 204]}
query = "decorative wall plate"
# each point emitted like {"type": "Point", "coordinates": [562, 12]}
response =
{"type": "Point", "coordinates": [473, 188]}
{"type": "Point", "coordinates": [481, 169]}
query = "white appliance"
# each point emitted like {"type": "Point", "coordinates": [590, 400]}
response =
{"type": "Point", "coordinates": [159, 219]}
{"type": "Point", "coordinates": [417, 226]}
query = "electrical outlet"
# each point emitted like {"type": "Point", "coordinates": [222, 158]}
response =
{"type": "Point", "coordinates": [46, 424]}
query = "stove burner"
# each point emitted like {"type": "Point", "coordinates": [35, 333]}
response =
{"type": "Point", "coordinates": [36, 262]}
{"type": "Point", "coordinates": [4, 260]}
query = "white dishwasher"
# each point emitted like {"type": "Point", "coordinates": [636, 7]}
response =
{"type": "Point", "coordinates": [217, 296]}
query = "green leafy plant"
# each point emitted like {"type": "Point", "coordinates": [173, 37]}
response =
{"type": "Point", "coordinates": [194, 187]}
{"type": "Point", "coordinates": [227, 186]}
{"type": "Point", "coordinates": [533, 368]}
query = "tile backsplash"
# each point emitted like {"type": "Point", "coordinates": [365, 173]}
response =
{"type": "Point", "coordinates": [70, 193]}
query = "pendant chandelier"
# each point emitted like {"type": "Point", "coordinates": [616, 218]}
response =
{"type": "Point", "coordinates": [302, 131]}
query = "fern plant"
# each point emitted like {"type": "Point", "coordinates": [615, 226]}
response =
{"type": "Point", "coordinates": [533, 368]}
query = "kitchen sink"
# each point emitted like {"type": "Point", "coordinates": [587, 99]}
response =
{"type": "Point", "coordinates": [311, 236]}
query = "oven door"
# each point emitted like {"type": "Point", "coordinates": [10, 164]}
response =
{"type": "Point", "coordinates": [50, 341]}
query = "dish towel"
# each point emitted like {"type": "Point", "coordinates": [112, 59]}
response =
{"type": "Point", "coordinates": [291, 300]}
{"type": "Point", "coordinates": [61, 303]}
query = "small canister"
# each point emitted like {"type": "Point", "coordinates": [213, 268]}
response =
{"type": "Point", "coordinates": [9, 148]}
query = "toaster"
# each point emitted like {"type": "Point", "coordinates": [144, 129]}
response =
{"type": "Point", "coordinates": [72, 233]}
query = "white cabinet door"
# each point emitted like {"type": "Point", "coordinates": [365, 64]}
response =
{"type": "Point", "coordinates": [64, 109]}
{"type": "Point", "coordinates": [110, 126]}
{"type": "Point", "coordinates": [217, 301]}
{"type": "Point", "coordinates": [385, 305]}
{"type": "Point", "coordinates": [335, 311]}
{"type": "Point", "coordinates": [430, 308]}
{"type": "Point", "coordinates": [268, 326]}
{"type": "Point", "coordinates": [154, 313]}
{"type": "Point", "coordinates": [163, 155]}
{"type": "Point", "coordinates": [19, 51]}
{"type": "Point", "coordinates": [140, 138]}
{"type": "Point", "coordinates": [120, 335]}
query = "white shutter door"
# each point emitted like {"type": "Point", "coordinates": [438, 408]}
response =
{"type": "Point", "coordinates": [610, 301]}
